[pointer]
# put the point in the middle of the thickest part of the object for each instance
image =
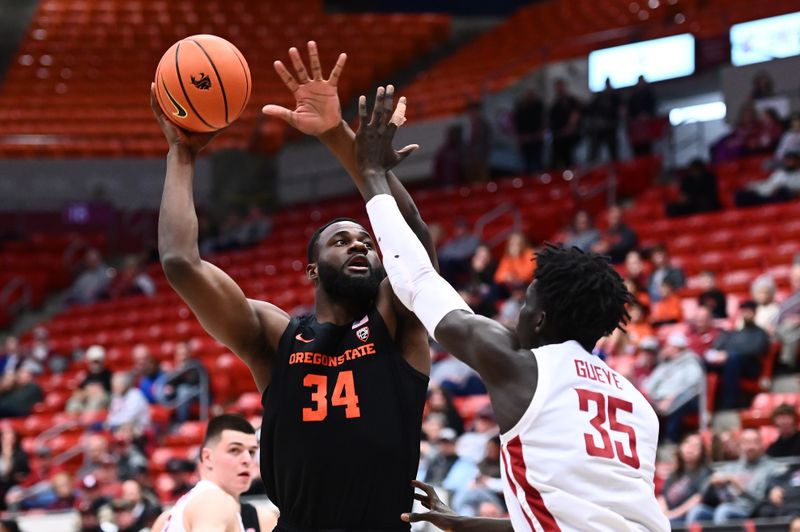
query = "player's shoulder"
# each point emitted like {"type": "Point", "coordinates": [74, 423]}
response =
{"type": "Point", "coordinates": [204, 500]}
{"type": "Point", "coordinates": [266, 309]}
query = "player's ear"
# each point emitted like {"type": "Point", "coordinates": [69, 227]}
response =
{"type": "Point", "coordinates": [205, 457]}
{"type": "Point", "coordinates": [311, 271]}
{"type": "Point", "coordinates": [540, 323]}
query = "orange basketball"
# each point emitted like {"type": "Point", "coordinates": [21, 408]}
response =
{"type": "Point", "coordinates": [203, 83]}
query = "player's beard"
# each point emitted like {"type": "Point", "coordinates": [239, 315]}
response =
{"type": "Point", "coordinates": [344, 287]}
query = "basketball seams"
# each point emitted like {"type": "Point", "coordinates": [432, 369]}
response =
{"type": "Point", "coordinates": [246, 71]}
{"type": "Point", "coordinates": [185, 94]}
{"type": "Point", "coordinates": [216, 73]}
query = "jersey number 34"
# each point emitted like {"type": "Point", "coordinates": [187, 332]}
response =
{"type": "Point", "coordinates": [607, 407]}
{"type": "Point", "coordinates": [344, 394]}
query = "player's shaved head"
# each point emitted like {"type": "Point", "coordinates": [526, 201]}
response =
{"type": "Point", "coordinates": [313, 252]}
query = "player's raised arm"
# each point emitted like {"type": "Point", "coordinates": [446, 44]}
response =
{"type": "Point", "coordinates": [483, 344]}
{"type": "Point", "coordinates": [250, 329]}
{"type": "Point", "coordinates": [318, 112]}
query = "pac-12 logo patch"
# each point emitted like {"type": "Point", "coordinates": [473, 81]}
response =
{"type": "Point", "coordinates": [363, 333]}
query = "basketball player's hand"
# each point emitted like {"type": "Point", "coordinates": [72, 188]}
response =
{"type": "Point", "coordinates": [317, 108]}
{"type": "Point", "coordinates": [176, 136]}
{"type": "Point", "coordinates": [440, 514]}
{"type": "Point", "coordinates": [374, 151]}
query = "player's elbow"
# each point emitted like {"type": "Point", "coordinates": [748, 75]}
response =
{"type": "Point", "coordinates": [177, 266]}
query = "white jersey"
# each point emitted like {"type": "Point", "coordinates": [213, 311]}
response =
{"type": "Point", "coordinates": [175, 521]}
{"type": "Point", "coordinates": [582, 457]}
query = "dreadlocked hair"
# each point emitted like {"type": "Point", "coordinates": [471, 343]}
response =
{"type": "Point", "coordinates": [583, 297]}
{"type": "Point", "coordinates": [311, 251]}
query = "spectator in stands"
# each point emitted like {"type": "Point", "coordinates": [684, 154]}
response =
{"type": "Point", "coordinates": [14, 465]}
{"type": "Point", "coordinates": [479, 143]}
{"type": "Point", "coordinates": [18, 394]}
{"type": "Point", "coordinates": [743, 140]}
{"type": "Point", "coordinates": [92, 284]}
{"type": "Point", "coordinates": [735, 489]}
{"type": "Point", "coordinates": [147, 370]}
{"type": "Point", "coordinates": [89, 400]}
{"type": "Point", "coordinates": [11, 357]}
{"type": "Point", "coordinates": [641, 108]}
{"type": "Point", "coordinates": [603, 120]}
{"type": "Point", "coordinates": [453, 375]}
{"type": "Point", "coordinates": [42, 351]}
{"type": "Point", "coordinates": [95, 453]}
{"type": "Point", "coordinates": [763, 86]}
{"type": "Point", "coordinates": [712, 297]}
{"type": "Point", "coordinates": [186, 387]}
{"type": "Point", "coordinates": [702, 331]}
{"type": "Point", "coordinates": [787, 328]}
{"type": "Point", "coordinates": [699, 191]}
{"type": "Point", "coordinates": [508, 314]}
{"type": "Point", "coordinates": [128, 404]}
{"type": "Point", "coordinates": [583, 234]}
{"type": "Point", "coordinates": [60, 496]}
{"type": "Point", "coordinates": [674, 384]}
{"type": "Point", "coordinates": [783, 496]}
{"type": "Point", "coordinates": [448, 164]}
{"type": "Point", "coordinates": [618, 240]}
{"type": "Point", "coordinates": [485, 485]}
{"type": "Point", "coordinates": [134, 511]}
{"type": "Point", "coordinates": [91, 494]}
{"type": "Point", "coordinates": [528, 119]}
{"type": "Point", "coordinates": [130, 460]}
{"type": "Point", "coordinates": [763, 292]}
{"type": "Point", "coordinates": [441, 401]}
{"type": "Point", "coordinates": [738, 354]}
{"type": "Point", "coordinates": [784, 418]}
{"type": "Point", "coordinates": [455, 255]}
{"type": "Point", "coordinates": [97, 370]}
{"type": "Point", "coordinates": [564, 121]}
{"type": "Point", "coordinates": [182, 472]}
{"type": "Point", "coordinates": [472, 444]}
{"type": "Point", "coordinates": [683, 489]}
{"type": "Point", "coordinates": [518, 262]}
{"type": "Point", "coordinates": [771, 130]}
{"type": "Point", "coordinates": [481, 280]}
{"type": "Point", "coordinates": [663, 271]}
{"type": "Point", "coordinates": [131, 280]}
{"type": "Point", "coordinates": [782, 185]}
{"type": "Point", "coordinates": [635, 273]}
{"type": "Point", "coordinates": [790, 141]}
{"type": "Point", "coordinates": [668, 309]}
{"type": "Point", "coordinates": [445, 459]}
{"type": "Point", "coordinates": [257, 225]}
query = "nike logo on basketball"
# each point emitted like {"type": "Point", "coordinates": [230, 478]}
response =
{"type": "Point", "coordinates": [300, 337]}
{"type": "Point", "coordinates": [180, 112]}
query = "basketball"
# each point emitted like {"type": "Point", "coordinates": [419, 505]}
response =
{"type": "Point", "coordinates": [203, 83]}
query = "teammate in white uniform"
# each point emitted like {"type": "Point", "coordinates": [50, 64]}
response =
{"type": "Point", "coordinates": [227, 460]}
{"type": "Point", "coordinates": [579, 441]}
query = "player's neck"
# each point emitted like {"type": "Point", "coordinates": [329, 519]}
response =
{"type": "Point", "coordinates": [337, 311]}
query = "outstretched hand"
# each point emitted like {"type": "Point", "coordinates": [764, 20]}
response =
{"type": "Point", "coordinates": [317, 107]}
{"type": "Point", "coordinates": [175, 135]}
{"type": "Point", "coordinates": [439, 515]}
{"type": "Point", "coordinates": [374, 151]}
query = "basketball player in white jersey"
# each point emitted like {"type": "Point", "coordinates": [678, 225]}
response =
{"type": "Point", "coordinates": [226, 468]}
{"type": "Point", "coordinates": [578, 440]}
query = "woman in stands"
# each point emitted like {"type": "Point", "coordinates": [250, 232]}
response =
{"type": "Point", "coordinates": [682, 490]}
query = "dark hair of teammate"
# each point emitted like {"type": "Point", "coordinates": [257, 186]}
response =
{"type": "Point", "coordinates": [224, 422]}
{"type": "Point", "coordinates": [312, 251]}
{"type": "Point", "coordinates": [575, 296]}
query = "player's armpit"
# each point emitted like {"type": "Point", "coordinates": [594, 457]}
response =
{"type": "Point", "coordinates": [250, 329]}
{"type": "Point", "coordinates": [491, 349]}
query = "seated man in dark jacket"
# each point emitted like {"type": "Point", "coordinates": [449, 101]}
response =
{"type": "Point", "coordinates": [784, 418]}
{"type": "Point", "coordinates": [737, 354]}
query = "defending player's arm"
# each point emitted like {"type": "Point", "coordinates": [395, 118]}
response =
{"type": "Point", "coordinates": [250, 329]}
{"type": "Point", "coordinates": [318, 112]}
{"type": "Point", "coordinates": [443, 517]}
{"type": "Point", "coordinates": [483, 344]}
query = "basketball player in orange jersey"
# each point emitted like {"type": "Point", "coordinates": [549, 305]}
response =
{"type": "Point", "coordinates": [578, 440]}
{"type": "Point", "coordinates": [227, 458]}
{"type": "Point", "coordinates": [343, 388]}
